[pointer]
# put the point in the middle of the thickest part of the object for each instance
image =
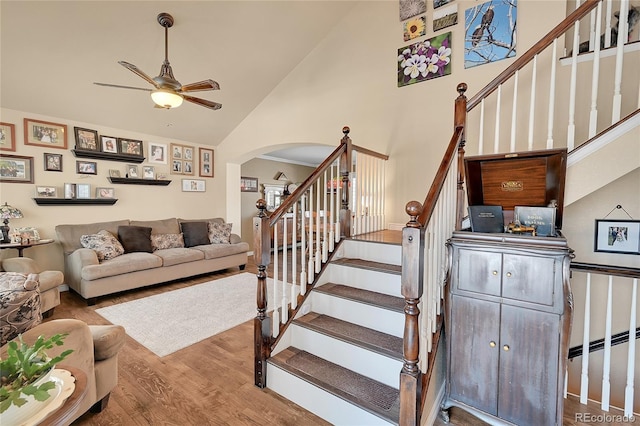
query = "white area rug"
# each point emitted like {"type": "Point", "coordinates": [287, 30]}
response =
{"type": "Point", "coordinates": [167, 322]}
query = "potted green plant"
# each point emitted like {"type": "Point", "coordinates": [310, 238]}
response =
{"type": "Point", "coordinates": [25, 372]}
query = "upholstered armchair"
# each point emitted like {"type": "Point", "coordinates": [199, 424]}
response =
{"type": "Point", "coordinates": [49, 281]}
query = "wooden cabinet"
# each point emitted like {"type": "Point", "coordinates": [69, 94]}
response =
{"type": "Point", "coordinates": [508, 315]}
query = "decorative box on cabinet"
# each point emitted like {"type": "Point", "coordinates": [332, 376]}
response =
{"type": "Point", "coordinates": [508, 320]}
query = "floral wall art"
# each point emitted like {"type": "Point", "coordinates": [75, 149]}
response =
{"type": "Point", "coordinates": [415, 28]}
{"type": "Point", "coordinates": [490, 32]}
{"type": "Point", "coordinates": [411, 8]}
{"type": "Point", "coordinates": [424, 60]}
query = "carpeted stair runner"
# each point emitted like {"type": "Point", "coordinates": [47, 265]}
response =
{"type": "Point", "coordinates": [380, 300]}
{"type": "Point", "coordinates": [368, 264]}
{"type": "Point", "coordinates": [364, 337]}
{"type": "Point", "coordinates": [368, 394]}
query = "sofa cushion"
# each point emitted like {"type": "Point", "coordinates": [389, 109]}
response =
{"type": "Point", "coordinates": [69, 235]}
{"type": "Point", "coordinates": [176, 256]}
{"type": "Point", "coordinates": [219, 233]}
{"type": "Point", "coordinates": [212, 251]}
{"type": "Point", "coordinates": [164, 226]}
{"type": "Point", "coordinates": [166, 241]}
{"type": "Point", "coordinates": [135, 238]}
{"type": "Point", "coordinates": [19, 304]}
{"type": "Point", "coordinates": [195, 233]}
{"type": "Point", "coordinates": [104, 244]}
{"type": "Point", "coordinates": [129, 262]}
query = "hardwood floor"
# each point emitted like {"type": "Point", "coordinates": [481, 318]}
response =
{"type": "Point", "coordinates": [209, 383]}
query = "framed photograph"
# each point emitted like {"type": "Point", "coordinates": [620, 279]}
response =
{"type": "Point", "coordinates": [617, 236]}
{"type": "Point", "coordinates": [83, 190]}
{"type": "Point", "coordinates": [176, 167]}
{"type": "Point", "coordinates": [44, 133]}
{"type": "Point", "coordinates": [193, 185]}
{"type": "Point", "coordinates": [188, 153]}
{"type": "Point", "coordinates": [16, 168]}
{"type": "Point", "coordinates": [86, 139]}
{"type": "Point", "coordinates": [109, 144]}
{"type": "Point", "coordinates": [86, 167]}
{"type": "Point", "coordinates": [28, 233]}
{"type": "Point", "coordinates": [148, 172]}
{"type": "Point", "coordinates": [46, 192]}
{"type": "Point", "coordinates": [176, 151]}
{"type": "Point", "coordinates": [114, 173]}
{"type": "Point", "coordinates": [7, 137]}
{"type": "Point", "coordinates": [132, 171]}
{"type": "Point", "coordinates": [69, 190]}
{"type": "Point", "coordinates": [206, 162]}
{"type": "Point", "coordinates": [130, 147]}
{"type": "Point", "coordinates": [158, 153]}
{"type": "Point", "coordinates": [103, 192]}
{"type": "Point", "coordinates": [248, 184]}
{"type": "Point", "coordinates": [52, 162]}
{"type": "Point", "coordinates": [187, 168]}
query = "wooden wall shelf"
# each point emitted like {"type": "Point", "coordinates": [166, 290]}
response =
{"type": "Point", "coordinates": [109, 156]}
{"type": "Point", "coordinates": [136, 181]}
{"type": "Point", "coordinates": [74, 201]}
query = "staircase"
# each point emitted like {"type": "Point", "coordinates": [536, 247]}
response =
{"type": "Point", "coordinates": [352, 320]}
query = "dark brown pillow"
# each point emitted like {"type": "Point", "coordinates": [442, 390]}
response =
{"type": "Point", "coordinates": [135, 238]}
{"type": "Point", "coordinates": [195, 233]}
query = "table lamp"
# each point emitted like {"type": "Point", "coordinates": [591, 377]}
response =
{"type": "Point", "coordinates": [7, 212]}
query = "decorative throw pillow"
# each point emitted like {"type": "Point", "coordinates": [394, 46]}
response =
{"type": "Point", "coordinates": [219, 233]}
{"type": "Point", "coordinates": [104, 244]}
{"type": "Point", "coordinates": [19, 304]}
{"type": "Point", "coordinates": [195, 233]}
{"type": "Point", "coordinates": [135, 238]}
{"type": "Point", "coordinates": [166, 241]}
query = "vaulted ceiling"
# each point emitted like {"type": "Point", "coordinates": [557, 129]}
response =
{"type": "Point", "coordinates": [53, 51]}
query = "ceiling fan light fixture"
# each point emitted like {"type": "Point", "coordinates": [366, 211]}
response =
{"type": "Point", "coordinates": [166, 98]}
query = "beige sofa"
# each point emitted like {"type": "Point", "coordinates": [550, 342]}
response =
{"type": "Point", "coordinates": [92, 278]}
{"type": "Point", "coordinates": [49, 281]}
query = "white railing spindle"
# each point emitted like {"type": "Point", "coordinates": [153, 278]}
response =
{"type": "Point", "coordinates": [285, 275]}
{"type": "Point", "coordinates": [593, 119]}
{"type": "Point", "coordinates": [532, 103]}
{"type": "Point", "coordinates": [481, 129]}
{"type": "Point", "coordinates": [303, 244]}
{"type": "Point", "coordinates": [631, 357]}
{"type": "Point", "coordinates": [606, 364]}
{"type": "Point", "coordinates": [552, 94]}
{"type": "Point", "coordinates": [514, 114]}
{"type": "Point", "coordinates": [496, 142]}
{"type": "Point", "coordinates": [311, 267]}
{"type": "Point", "coordinates": [571, 127]}
{"type": "Point", "coordinates": [617, 85]}
{"type": "Point", "coordinates": [325, 243]}
{"type": "Point", "coordinates": [584, 377]}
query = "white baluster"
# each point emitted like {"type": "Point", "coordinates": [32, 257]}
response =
{"type": "Point", "coordinates": [532, 102]}
{"type": "Point", "coordinates": [631, 356]}
{"type": "Point", "coordinates": [294, 257]}
{"type": "Point", "coordinates": [318, 242]}
{"type": "Point", "coordinates": [496, 142]}
{"type": "Point", "coordinates": [617, 85]}
{"type": "Point", "coordinates": [593, 117]}
{"type": "Point", "coordinates": [310, 267]}
{"type": "Point", "coordinates": [481, 130]}
{"type": "Point", "coordinates": [338, 204]}
{"type": "Point", "coordinates": [584, 377]}
{"type": "Point", "coordinates": [514, 114]}
{"type": "Point", "coordinates": [276, 313]}
{"type": "Point", "coordinates": [552, 94]}
{"type": "Point", "coordinates": [571, 129]}
{"type": "Point", "coordinates": [606, 363]}
{"type": "Point", "coordinates": [593, 33]}
{"type": "Point", "coordinates": [332, 209]}
{"type": "Point", "coordinates": [303, 245]}
{"type": "Point", "coordinates": [285, 272]}
{"type": "Point", "coordinates": [607, 26]}
{"type": "Point", "coordinates": [325, 245]}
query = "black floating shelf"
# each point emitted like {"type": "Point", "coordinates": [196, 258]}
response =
{"type": "Point", "coordinates": [136, 181]}
{"type": "Point", "coordinates": [75, 201]}
{"type": "Point", "coordinates": [110, 156]}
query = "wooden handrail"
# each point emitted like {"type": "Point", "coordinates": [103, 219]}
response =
{"type": "Point", "coordinates": [523, 60]}
{"type": "Point", "coordinates": [619, 271]}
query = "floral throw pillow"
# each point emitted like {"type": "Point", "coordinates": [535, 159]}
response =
{"type": "Point", "coordinates": [104, 244]}
{"type": "Point", "coordinates": [166, 241]}
{"type": "Point", "coordinates": [219, 233]}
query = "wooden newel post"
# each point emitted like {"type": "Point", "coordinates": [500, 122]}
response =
{"type": "Point", "coordinates": [460, 118]}
{"type": "Point", "coordinates": [262, 322]}
{"type": "Point", "coordinates": [412, 284]}
{"type": "Point", "coordinates": [345, 169]}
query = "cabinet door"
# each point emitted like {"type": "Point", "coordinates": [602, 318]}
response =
{"type": "Point", "coordinates": [529, 278]}
{"type": "Point", "coordinates": [479, 271]}
{"type": "Point", "coordinates": [473, 368]}
{"type": "Point", "coordinates": [529, 344]}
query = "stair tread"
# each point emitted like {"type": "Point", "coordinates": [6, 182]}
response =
{"type": "Point", "coordinates": [369, 264]}
{"type": "Point", "coordinates": [367, 338]}
{"type": "Point", "coordinates": [368, 394]}
{"type": "Point", "coordinates": [381, 300]}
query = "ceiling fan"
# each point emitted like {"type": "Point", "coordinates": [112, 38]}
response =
{"type": "Point", "coordinates": [167, 92]}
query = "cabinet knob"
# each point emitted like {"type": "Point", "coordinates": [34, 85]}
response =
{"type": "Point", "coordinates": [492, 344]}
{"type": "Point", "coordinates": [495, 272]}
{"type": "Point", "coordinates": [508, 274]}
{"type": "Point", "coordinates": [506, 348]}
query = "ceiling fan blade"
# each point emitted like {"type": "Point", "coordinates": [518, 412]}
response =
{"type": "Point", "coordinates": [137, 71]}
{"type": "Point", "coordinates": [202, 102]}
{"type": "Point", "coordinates": [122, 87]}
{"type": "Point", "coordinates": [200, 86]}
